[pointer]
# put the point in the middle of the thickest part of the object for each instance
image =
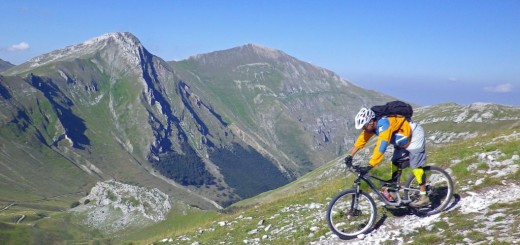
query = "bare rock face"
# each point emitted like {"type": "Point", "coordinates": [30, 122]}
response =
{"type": "Point", "coordinates": [112, 206]}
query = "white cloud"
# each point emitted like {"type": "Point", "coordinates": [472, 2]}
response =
{"type": "Point", "coordinates": [453, 79]}
{"type": "Point", "coordinates": [18, 47]}
{"type": "Point", "coordinates": [501, 88]}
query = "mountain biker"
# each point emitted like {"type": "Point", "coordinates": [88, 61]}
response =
{"type": "Point", "coordinates": [407, 138]}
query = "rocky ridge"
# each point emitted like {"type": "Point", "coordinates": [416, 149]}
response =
{"type": "Point", "coordinates": [128, 43]}
{"type": "Point", "coordinates": [447, 123]}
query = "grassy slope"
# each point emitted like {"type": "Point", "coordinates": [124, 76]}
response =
{"type": "Point", "coordinates": [269, 206]}
{"type": "Point", "coordinates": [278, 208]}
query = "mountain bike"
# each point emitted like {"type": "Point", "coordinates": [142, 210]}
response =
{"type": "Point", "coordinates": [353, 212]}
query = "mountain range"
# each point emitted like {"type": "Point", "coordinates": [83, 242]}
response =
{"type": "Point", "coordinates": [209, 130]}
{"type": "Point", "coordinates": [4, 65]}
{"type": "Point", "coordinates": [125, 140]}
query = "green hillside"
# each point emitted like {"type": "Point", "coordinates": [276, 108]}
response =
{"type": "Point", "coordinates": [295, 213]}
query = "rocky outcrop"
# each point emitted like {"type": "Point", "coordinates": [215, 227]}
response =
{"type": "Point", "coordinates": [112, 206]}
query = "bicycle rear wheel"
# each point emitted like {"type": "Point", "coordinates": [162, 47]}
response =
{"type": "Point", "coordinates": [439, 188]}
{"type": "Point", "coordinates": [349, 216]}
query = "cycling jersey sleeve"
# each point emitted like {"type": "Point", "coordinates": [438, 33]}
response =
{"type": "Point", "coordinates": [384, 136]}
{"type": "Point", "coordinates": [363, 139]}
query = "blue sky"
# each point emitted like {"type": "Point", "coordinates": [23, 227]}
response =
{"type": "Point", "coordinates": [426, 52]}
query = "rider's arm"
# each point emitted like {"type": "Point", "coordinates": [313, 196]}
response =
{"type": "Point", "coordinates": [361, 141]}
{"type": "Point", "coordinates": [383, 139]}
{"type": "Point", "coordinates": [354, 150]}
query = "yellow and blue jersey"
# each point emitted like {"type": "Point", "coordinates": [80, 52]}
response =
{"type": "Point", "coordinates": [389, 130]}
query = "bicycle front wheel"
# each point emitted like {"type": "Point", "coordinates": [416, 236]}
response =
{"type": "Point", "coordinates": [350, 214]}
{"type": "Point", "coordinates": [439, 189]}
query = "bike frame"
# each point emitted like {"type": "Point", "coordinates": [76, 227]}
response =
{"type": "Point", "coordinates": [375, 189]}
{"type": "Point", "coordinates": [353, 211]}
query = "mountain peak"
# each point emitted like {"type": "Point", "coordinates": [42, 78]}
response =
{"type": "Point", "coordinates": [248, 53]}
{"type": "Point", "coordinates": [294, 70]}
{"type": "Point", "coordinates": [261, 50]}
{"type": "Point", "coordinates": [127, 44]}
{"type": "Point", "coordinates": [118, 37]}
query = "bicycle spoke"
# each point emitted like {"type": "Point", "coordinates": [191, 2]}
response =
{"type": "Point", "coordinates": [349, 217]}
{"type": "Point", "coordinates": [439, 190]}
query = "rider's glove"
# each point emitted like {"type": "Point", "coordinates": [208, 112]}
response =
{"type": "Point", "coordinates": [348, 161]}
{"type": "Point", "coordinates": [365, 169]}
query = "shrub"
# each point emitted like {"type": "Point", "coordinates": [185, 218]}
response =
{"type": "Point", "coordinates": [74, 204]}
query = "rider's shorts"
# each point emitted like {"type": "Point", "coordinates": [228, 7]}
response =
{"type": "Point", "coordinates": [417, 147]}
{"type": "Point", "coordinates": [417, 158]}
{"type": "Point", "coordinates": [401, 157]}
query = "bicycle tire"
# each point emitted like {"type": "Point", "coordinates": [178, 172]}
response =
{"type": "Point", "coordinates": [439, 190]}
{"type": "Point", "coordinates": [353, 222]}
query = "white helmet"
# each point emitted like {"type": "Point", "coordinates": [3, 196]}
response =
{"type": "Point", "coordinates": [363, 117]}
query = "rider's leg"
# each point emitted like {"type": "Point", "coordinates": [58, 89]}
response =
{"type": "Point", "coordinates": [395, 172]}
{"type": "Point", "coordinates": [400, 160]}
{"type": "Point", "coordinates": [420, 177]}
{"type": "Point", "coordinates": [423, 200]}
{"type": "Point", "coordinates": [417, 149]}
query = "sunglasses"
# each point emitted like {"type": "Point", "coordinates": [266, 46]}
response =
{"type": "Point", "coordinates": [371, 123]}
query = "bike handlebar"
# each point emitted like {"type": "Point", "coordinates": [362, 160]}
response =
{"type": "Point", "coordinates": [355, 168]}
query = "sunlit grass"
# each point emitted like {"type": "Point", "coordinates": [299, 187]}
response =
{"type": "Point", "coordinates": [453, 229]}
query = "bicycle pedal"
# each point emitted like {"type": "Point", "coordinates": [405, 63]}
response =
{"type": "Point", "coordinates": [423, 209]}
{"type": "Point", "coordinates": [394, 207]}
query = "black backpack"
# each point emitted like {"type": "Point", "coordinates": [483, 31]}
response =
{"type": "Point", "coordinates": [393, 108]}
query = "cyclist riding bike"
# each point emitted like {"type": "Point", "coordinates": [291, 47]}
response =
{"type": "Point", "coordinates": [407, 138]}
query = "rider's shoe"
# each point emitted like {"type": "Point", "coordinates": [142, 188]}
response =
{"type": "Point", "coordinates": [421, 202]}
{"type": "Point", "coordinates": [393, 194]}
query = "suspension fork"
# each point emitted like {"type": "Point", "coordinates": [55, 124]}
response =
{"type": "Point", "coordinates": [355, 199]}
